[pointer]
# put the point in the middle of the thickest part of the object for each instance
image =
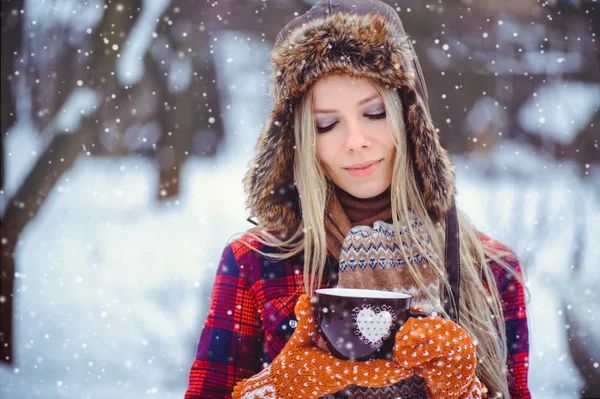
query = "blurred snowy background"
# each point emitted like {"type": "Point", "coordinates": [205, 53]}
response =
{"type": "Point", "coordinates": [127, 127]}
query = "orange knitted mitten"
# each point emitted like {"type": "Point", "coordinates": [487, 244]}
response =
{"type": "Point", "coordinates": [443, 353]}
{"type": "Point", "coordinates": [302, 370]}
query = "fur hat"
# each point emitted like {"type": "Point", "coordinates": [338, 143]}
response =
{"type": "Point", "coordinates": [362, 39]}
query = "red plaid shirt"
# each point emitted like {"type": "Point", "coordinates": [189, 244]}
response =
{"type": "Point", "coordinates": [251, 317]}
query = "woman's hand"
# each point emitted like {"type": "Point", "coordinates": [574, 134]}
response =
{"type": "Point", "coordinates": [302, 370]}
{"type": "Point", "coordinates": [441, 352]}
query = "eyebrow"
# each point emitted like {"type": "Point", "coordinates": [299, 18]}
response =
{"type": "Point", "coordinates": [361, 102]}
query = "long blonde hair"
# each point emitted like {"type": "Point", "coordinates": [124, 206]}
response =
{"type": "Point", "coordinates": [480, 308]}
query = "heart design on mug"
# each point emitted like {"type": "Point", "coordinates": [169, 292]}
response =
{"type": "Point", "coordinates": [373, 324]}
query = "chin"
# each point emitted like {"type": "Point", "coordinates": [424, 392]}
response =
{"type": "Point", "coordinates": [368, 191]}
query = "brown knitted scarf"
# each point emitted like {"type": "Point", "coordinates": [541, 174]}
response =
{"type": "Point", "coordinates": [345, 211]}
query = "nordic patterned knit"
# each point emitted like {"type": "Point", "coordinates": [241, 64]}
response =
{"type": "Point", "coordinates": [251, 318]}
{"type": "Point", "coordinates": [371, 258]}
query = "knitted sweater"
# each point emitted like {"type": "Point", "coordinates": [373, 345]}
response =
{"type": "Point", "coordinates": [251, 317]}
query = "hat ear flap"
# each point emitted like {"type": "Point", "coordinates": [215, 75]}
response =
{"type": "Point", "coordinates": [269, 182]}
{"type": "Point", "coordinates": [434, 170]}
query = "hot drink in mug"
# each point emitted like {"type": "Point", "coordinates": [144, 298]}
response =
{"type": "Point", "coordinates": [359, 324]}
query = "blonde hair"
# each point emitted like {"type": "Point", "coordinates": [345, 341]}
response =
{"type": "Point", "coordinates": [480, 308]}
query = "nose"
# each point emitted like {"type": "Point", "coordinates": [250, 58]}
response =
{"type": "Point", "coordinates": [356, 136]}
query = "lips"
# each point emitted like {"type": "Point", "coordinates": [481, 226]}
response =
{"type": "Point", "coordinates": [363, 169]}
{"type": "Point", "coordinates": [363, 165]}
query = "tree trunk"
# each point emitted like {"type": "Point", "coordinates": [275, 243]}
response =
{"type": "Point", "coordinates": [23, 207]}
{"type": "Point", "coordinates": [12, 26]}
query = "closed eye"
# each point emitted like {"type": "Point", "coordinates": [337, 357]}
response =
{"type": "Point", "coordinates": [325, 129]}
{"type": "Point", "coordinates": [377, 116]}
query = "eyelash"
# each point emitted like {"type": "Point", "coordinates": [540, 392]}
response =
{"type": "Point", "coordinates": [372, 117]}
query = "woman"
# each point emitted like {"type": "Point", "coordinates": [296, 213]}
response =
{"type": "Point", "coordinates": [350, 155]}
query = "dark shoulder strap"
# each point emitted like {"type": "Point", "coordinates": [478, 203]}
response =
{"type": "Point", "coordinates": [452, 262]}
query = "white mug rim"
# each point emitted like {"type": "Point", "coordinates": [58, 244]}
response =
{"type": "Point", "coordinates": [362, 293]}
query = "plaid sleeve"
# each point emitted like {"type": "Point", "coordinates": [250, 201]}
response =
{"type": "Point", "coordinates": [230, 345]}
{"type": "Point", "coordinates": [512, 295]}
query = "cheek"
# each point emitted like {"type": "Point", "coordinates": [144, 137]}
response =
{"type": "Point", "coordinates": [325, 152]}
{"type": "Point", "coordinates": [388, 142]}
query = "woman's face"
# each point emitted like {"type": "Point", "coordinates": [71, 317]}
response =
{"type": "Point", "coordinates": [354, 143]}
